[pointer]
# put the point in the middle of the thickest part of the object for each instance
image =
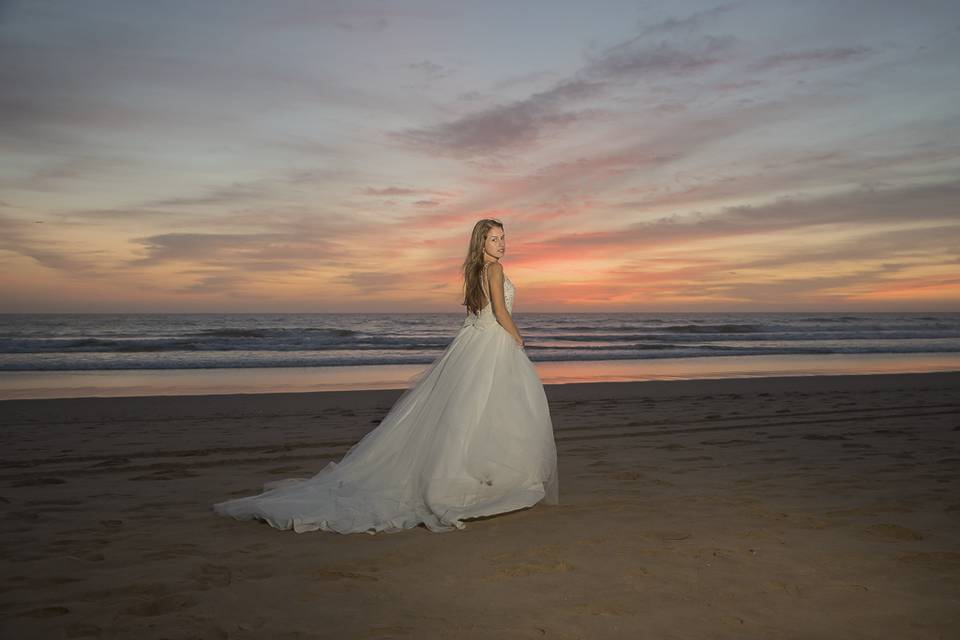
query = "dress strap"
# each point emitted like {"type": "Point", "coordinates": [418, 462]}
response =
{"type": "Point", "coordinates": [484, 285]}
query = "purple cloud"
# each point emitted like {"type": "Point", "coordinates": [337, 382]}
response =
{"type": "Point", "coordinates": [802, 60]}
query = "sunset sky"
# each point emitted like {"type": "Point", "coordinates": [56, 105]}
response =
{"type": "Point", "coordinates": [333, 156]}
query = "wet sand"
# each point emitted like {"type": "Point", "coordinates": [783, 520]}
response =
{"type": "Point", "coordinates": [793, 507]}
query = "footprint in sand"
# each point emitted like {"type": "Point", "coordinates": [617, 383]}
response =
{"type": "Point", "coordinates": [77, 547]}
{"type": "Point", "coordinates": [793, 520]}
{"type": "Point", "coordinates": [35, 482]}
{"type": "Point", "coordinates": [257, 548]}
{"type": "Point", "coordinates": [940, 560]}
{"type": "Point", "coordinates": [161, 606]}
{"type": "Point", "coordinates": [527, 569]}
{"type": "Point", "coordinates": [667, 535]}
{"type": "Point", "coordinates": [628, 476]}
{"type": "Point", "coordinates": [336, 574]}
{"type": "Point", "coordinates": [118, 592]}
{"type": "Point", "coordinates": [210, 576]}
{"type": "Point", "coordinates": [178, 550]}
{"type": "Point", "coordinates": [732, 620]}
{"type": "Point", "coordinates": [83, 630]}
{"type": "Point", "coordinates": [789, 588]}
{"type": "Point", "coordinates": [165, 475]}
{"type": "Point", "coordinates": [868, 511]}
{"type": "Point", "coordinates": [287, 469]}
{"type": "Point", "coordinates": [714, 553]}
{"type": "Point", "coordinates": [52, 503]}
{"type": "Point", "coordinates": [892, 533]}
{"type": "Point", "coordinates": [44, 612]}
{"type": "Point", "coordinates": [602, 609]}
{"type": "Point", "coordinates": [845, 587]}
{"type": "Point", "coordinates": [109, 462]}
{"type": "Point", "coordinates": [392, 631]}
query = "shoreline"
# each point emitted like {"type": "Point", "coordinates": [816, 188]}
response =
{"type": "Point", "coordinates": [92, 407]}
{"type": "Point", "coordinates": [183, 382]}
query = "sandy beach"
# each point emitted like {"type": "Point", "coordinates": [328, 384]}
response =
{"type": "Point", "coordinates": [782, 507]}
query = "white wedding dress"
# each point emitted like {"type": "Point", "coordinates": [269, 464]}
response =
{"type": "Point", "coordinates": [471, 437]}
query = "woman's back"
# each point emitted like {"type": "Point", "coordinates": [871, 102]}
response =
{"type": "Point", "coordinates": [509, 291]}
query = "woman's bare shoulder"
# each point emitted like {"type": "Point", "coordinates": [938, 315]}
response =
{"type": "Point", "coordinates": [495, 267]}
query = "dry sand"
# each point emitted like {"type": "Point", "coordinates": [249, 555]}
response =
{"type": "Point", "coordinates": [803, 507]}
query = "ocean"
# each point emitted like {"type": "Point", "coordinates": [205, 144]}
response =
{"type": "Point", "coordinates": [332, 343]}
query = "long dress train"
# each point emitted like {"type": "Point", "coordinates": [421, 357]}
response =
{"type": "Point", "coordinates": [471, 437]}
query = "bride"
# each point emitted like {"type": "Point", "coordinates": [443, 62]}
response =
{"type": "Point", "coordinates": [472, 435]}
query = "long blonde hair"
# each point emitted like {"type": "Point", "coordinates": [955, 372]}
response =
{"type": "Point", "coordinates": [473, 297]}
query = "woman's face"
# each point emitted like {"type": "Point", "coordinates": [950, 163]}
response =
{"type": "Point", "coordinates": [496, 243]}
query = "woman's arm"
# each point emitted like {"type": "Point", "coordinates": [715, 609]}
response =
{"type": "Point", "coordinates": [495, 287]}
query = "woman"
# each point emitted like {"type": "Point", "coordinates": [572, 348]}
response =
{"type": "Point", "coordinates": [471, 437]}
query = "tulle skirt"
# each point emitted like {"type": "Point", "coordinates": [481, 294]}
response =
{"type": "Point", "coordinates": [472, 436]}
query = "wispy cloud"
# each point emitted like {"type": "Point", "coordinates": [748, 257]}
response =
{"type": "Point", "coordinates": [936, 244]}
{"type": "Point", "coordinates": [502, 127]}
{"type": "Point", "coordinates": [431, 70]}
{"type": "Point", "coordinates": [857, 209]}
{"type": "Point", "coordinates": [251, 251]}
{"type": "Point", "coordinates": [39, 243]}
{"type": "Point", "coordinates": [805, 60]}
{"type": "Point", "coordinates": [686, 24]}
{"type": "Point", "coordinates": [390, 191]}
{"type": "Point", "coordinates": [638, 60]}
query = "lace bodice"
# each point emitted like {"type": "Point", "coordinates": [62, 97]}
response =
{"type": "Point", "coordinates": [508, 291]}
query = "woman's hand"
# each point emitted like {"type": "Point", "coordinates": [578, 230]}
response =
{"type": "Point", "coordinates": [519, 342]}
